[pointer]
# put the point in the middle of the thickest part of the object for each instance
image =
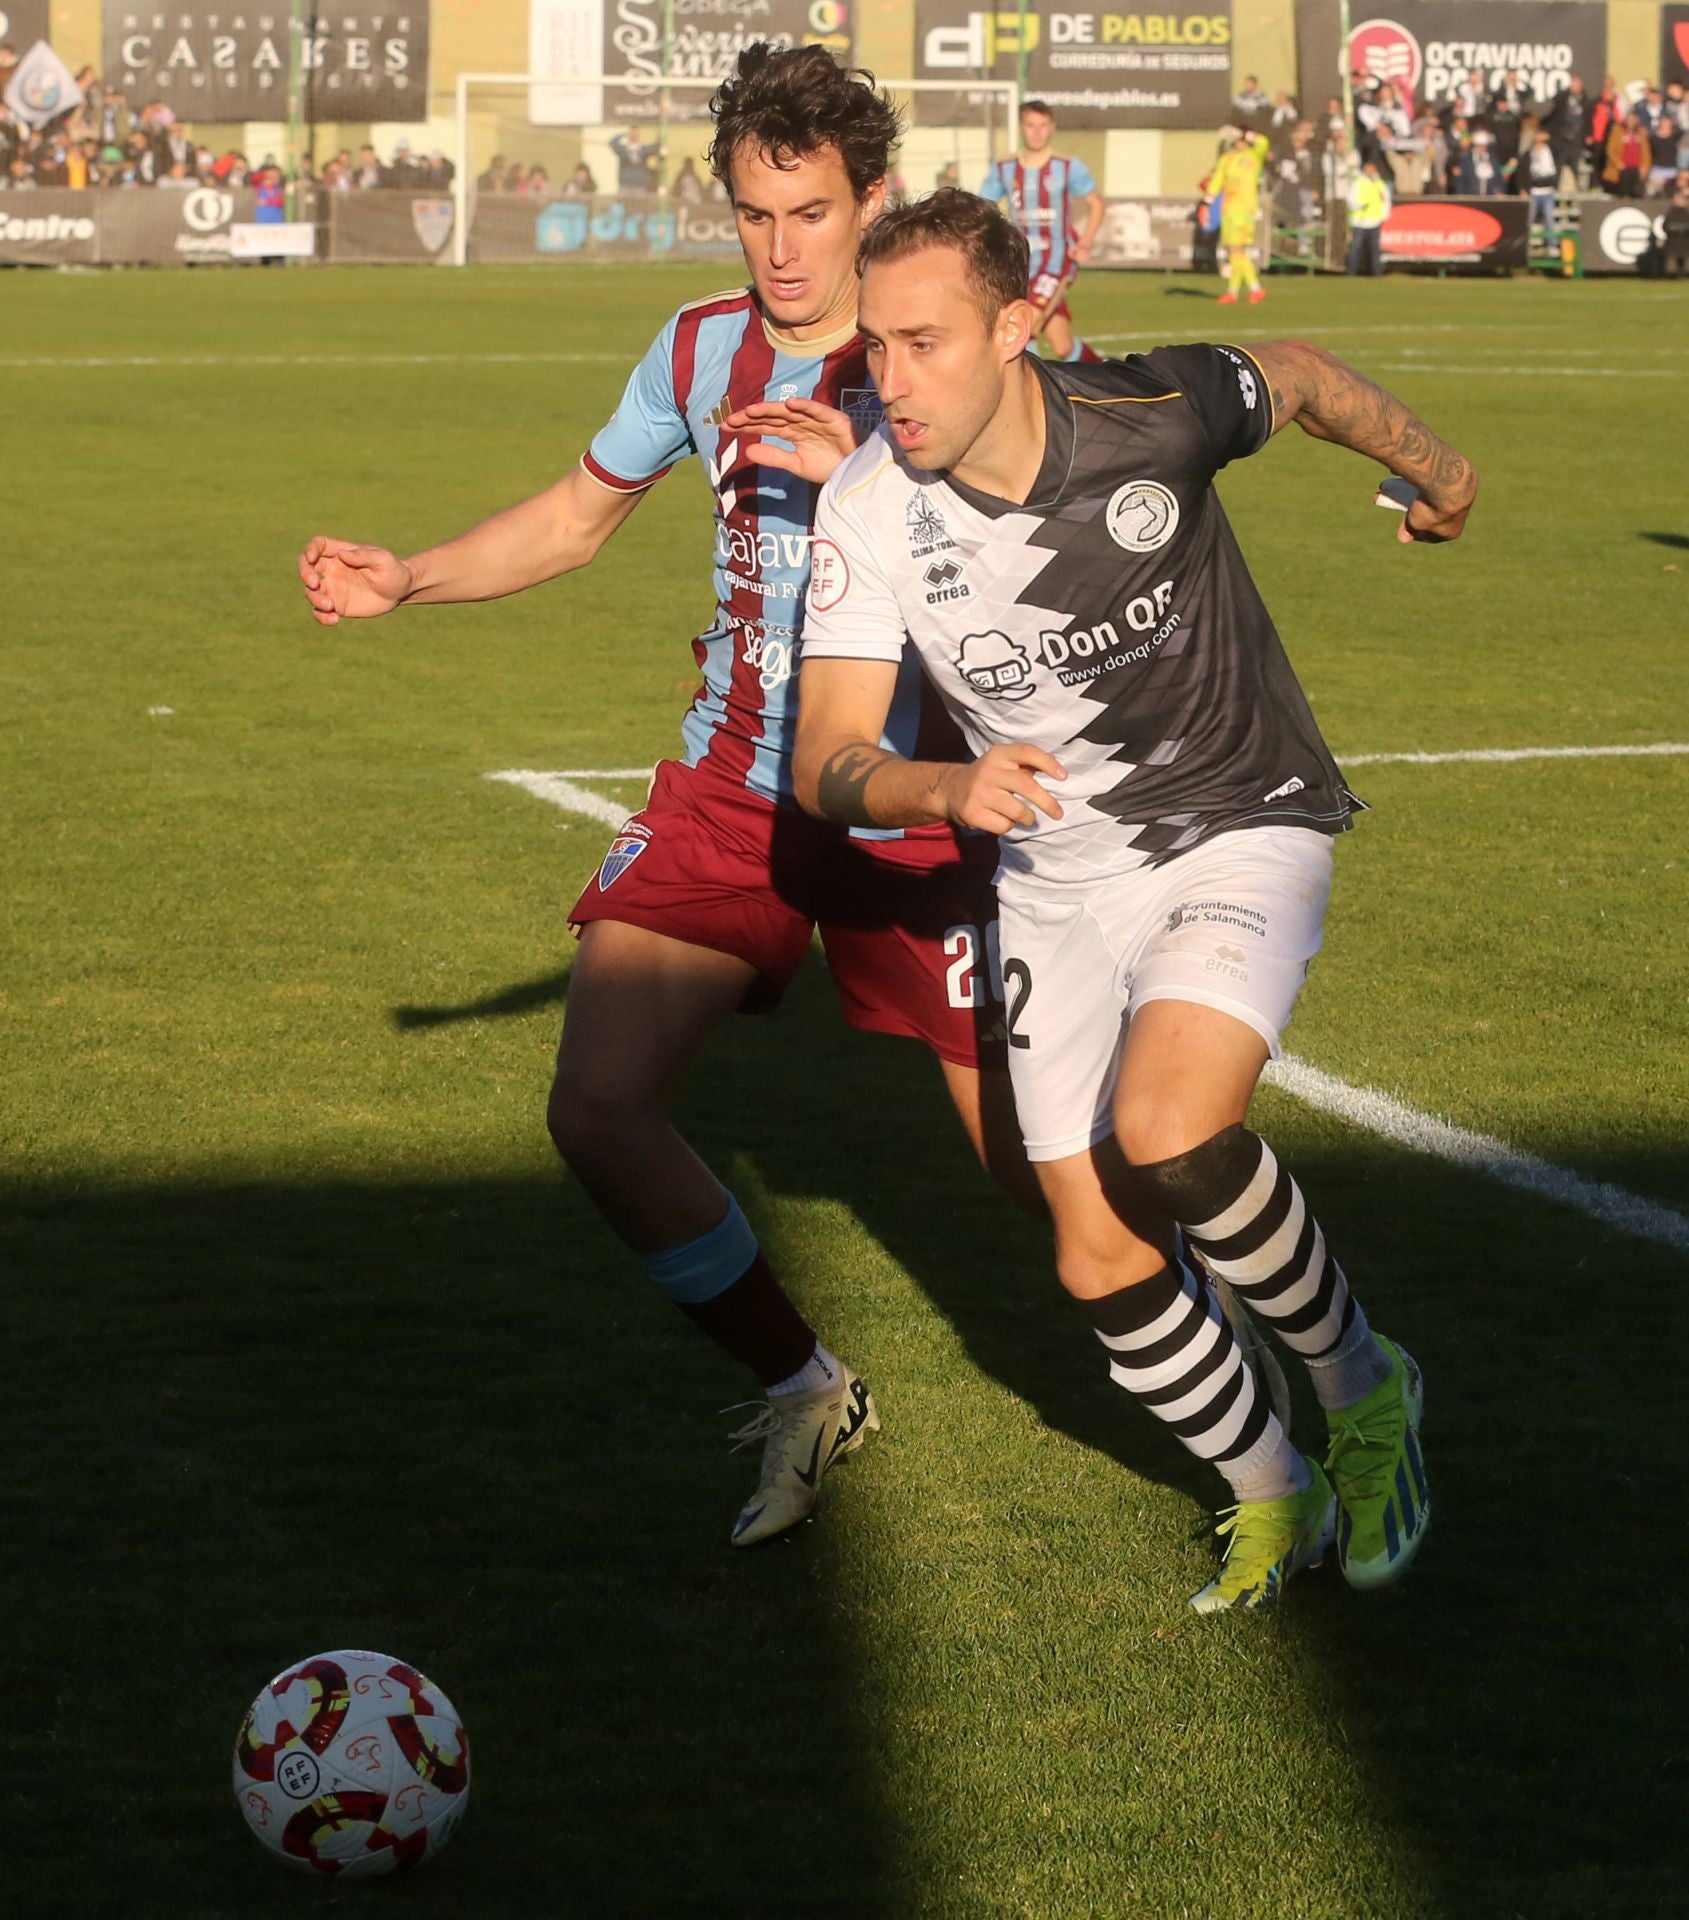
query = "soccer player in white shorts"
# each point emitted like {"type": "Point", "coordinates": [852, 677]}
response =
{"type": "Point", "coordinates": [1049, 539]}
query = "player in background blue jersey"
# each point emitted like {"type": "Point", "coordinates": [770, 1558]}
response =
{"type": "Point", "coordinates": [1053, 199]}
{"type": "Point", "coordinates": [707, 899]}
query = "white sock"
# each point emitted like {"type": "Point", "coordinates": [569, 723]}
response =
{"type": "Point", "coordinates": [821, 1369]}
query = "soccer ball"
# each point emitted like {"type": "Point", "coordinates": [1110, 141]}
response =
{"type": "Point", "coordinates": [352, 1763]}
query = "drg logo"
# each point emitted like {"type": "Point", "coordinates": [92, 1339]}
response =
{"type": "Point", "coordinates": [561, 227]}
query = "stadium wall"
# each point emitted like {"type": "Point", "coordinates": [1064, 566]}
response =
{"type": "Point", "coordinates": [492, 36]}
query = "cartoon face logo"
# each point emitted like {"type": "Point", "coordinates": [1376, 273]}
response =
{"type": "Point", "coordinates": [1142, 515]}
{"type": "Point", "coordinates": [995, 665]}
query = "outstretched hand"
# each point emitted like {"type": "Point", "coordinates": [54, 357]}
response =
{"type": "Point", "coordinates": [821, 436]}
{"type": "Point", "coordinates": [343, 580]}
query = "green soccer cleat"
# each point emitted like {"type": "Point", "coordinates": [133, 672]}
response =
{"type": "Point", "coordinates": [1383, 1497]}
{"type": "Point", "coordinates": [1270, 1540]}
{"type": "Point", "coordinates": [803, 1434]}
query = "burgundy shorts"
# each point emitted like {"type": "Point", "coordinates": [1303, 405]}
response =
{"type": "Point", "coordinates": [1041, 287]}
{"type": "Point", "coordinates": [909, 926]}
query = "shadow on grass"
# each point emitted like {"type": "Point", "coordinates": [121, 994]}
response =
{"type": "Point", "coordinates": [439, 1420]}
{"type": "Point", "coordinates": [1677, 540]}
{"type": "Point", "coordinates": [250, 1422]}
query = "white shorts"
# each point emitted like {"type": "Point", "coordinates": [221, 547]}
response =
{"type": "Point", "coordinates": [1232, 925]}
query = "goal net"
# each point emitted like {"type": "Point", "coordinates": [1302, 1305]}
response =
{"type": "Point", "coordinates": [597, 166]}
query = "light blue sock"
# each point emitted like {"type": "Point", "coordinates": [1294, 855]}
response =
{"type": "Point", "coordinates": [706, 1266]}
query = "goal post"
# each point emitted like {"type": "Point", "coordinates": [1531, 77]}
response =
{"type": "Point", "coordinates": [546, 124]}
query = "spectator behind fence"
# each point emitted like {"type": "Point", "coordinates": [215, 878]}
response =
{"type": "Point", "coordinates": [581, 181]}
{"type": "Point", "coordinates": [687, 187]}
{"type": "Point", "coordinates": [1606, 114]}
{"type": "Point", "coordinates": [492, 181]}
{"type": "Point", "coordinates": [1510, 105]}
{"type": "Point", "coordinates": [1540, 178]}
{"type": "Point", "coordinates": [1567, 121]}
{"type": "Point", "coordinates": [1369, 208]}
{"type": "Point", "coordinates": [1296, 182]}
{"type": "Point", "coordinates": [1662, 170]}
{"type": "Point", "coordinates": [1338, 168]}
{"type": "Point", "coordinates": [637, 160]}
{"type": "Point", "coordinates": [1476, 171]}
{"type": "Point", "coordinates": [1630, 154]}
{"type": "Point", "coordinates": [1251, 104]}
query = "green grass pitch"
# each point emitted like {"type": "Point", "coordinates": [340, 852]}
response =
{"type": "Point", "coordinates": [307, 1342]}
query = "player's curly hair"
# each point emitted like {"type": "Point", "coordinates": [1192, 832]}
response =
{"type": "Point", "coordinates": [992, 247]}
{"type": "Point", "coordinates": [790, 102]}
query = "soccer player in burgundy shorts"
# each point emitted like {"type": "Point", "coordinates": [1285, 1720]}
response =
{"type": "Point", "coordinates": [1052, 197]}
{"type": "Point", "coordinates": [706, 900]}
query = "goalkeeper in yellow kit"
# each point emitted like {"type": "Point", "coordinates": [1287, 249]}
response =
{"type": "Point", "coordinates": [1236, 180]}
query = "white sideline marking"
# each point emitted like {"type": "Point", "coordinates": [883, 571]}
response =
{"type": "Point", "coordinates": [1478, 1152]}
{"type": "Point", "coordinates": [1362, 1107]}
{"type": "Point", "coordinates": [334, 360]}
{"type": "Point", "coordinates": [1536, 373]}
{"type": "Point", "coordinates": [561, 791]}
{"type": "Point", "coordinates": [1508, 753]}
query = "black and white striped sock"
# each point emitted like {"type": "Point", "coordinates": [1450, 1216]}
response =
{"type": "Point", "coordinates": [1170, 1347]}
{"type": "Point", "coordinates": [1269, 1247]}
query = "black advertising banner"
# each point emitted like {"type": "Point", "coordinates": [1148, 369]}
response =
{"type": "Point", "coordinates": [23, 22]}
{"type": "Point", "coordinates": [1170, 68]}
{"type": "Point", "coordinates": [1615, 236]}
{"type": "Point", "coordinates": [118, 226]}
{"type": "Point", "coordinates": [1319, 30]}
{"type": "Point", "coordinates": [706, 38]}
{"type": "Point", "coordinates": [1428, 48]}
{"type": "Point", "coordinates": [385, 225]}
{"type": "Point", "coordinates": [1674, 46]}
{"type": "Point", "coordinates": [213, 62]}
{"type": "Point", "coordinates": [1467, 236]}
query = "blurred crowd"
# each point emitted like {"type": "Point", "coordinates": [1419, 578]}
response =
{"type": "Point", "coordinates": [639, 169]}
{"type": "Point", "coordinates": [1630, 142]}
{"type": "Point", "coordinates": [111, 141]}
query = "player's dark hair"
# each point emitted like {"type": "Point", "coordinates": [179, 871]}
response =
{"type": "Point", "coordinates": [1037, 106]}
{"type": "Point", "coordinates": [993, 248]}
{"type": "Point", "coordinates": [788, 103]}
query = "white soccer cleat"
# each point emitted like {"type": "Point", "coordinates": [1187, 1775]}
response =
{"type": "Point", "coordinates": [803, 1434]}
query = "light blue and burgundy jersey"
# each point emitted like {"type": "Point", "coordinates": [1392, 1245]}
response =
{"type": "Point", "coordinates": [712, 358]}
{"type": "Point", "coordinates": [1042, 203]}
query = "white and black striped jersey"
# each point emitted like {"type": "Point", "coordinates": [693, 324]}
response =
{"type": "Point", "coordinates": [1110, 619]}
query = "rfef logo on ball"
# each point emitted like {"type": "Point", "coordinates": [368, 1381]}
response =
{"type": "Point", "coordinates": [626, 848]}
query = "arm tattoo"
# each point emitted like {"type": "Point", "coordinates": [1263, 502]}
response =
{"type": "Point", "coordinates": [1337, 403]}
{"type": "Point", "coordinates": [842, 790]}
